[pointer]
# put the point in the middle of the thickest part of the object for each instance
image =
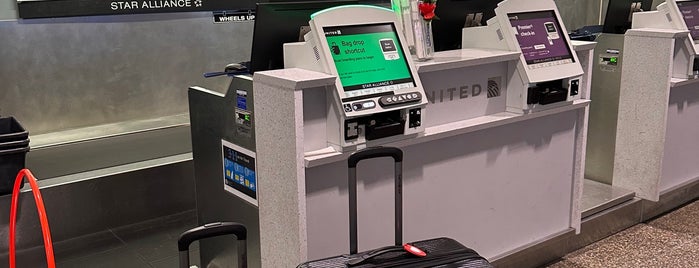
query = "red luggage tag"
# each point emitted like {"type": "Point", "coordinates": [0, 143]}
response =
{"type": "Point", "coordinates": [414, 250]}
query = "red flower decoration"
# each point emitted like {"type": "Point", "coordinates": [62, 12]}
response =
{"type": "Point", "coordinates": [427, 8]}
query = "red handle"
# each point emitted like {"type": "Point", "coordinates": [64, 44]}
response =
{"type": "Point", "coordinates": [42, 217]}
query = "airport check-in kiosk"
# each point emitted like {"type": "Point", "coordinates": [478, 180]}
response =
{"type": "Point", "coordinates": [648, 145]}
{"type": "Point", "coordinates": [549, 71]}
{"type": "Point", "coordinates": [474, 170]}
{"type": "Point", "coordinates": [378, 94]}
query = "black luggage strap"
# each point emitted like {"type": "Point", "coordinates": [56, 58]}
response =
{"type": "Point", "coordinates": [373, 254]}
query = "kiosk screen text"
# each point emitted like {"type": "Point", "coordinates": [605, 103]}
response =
{"type": "Point", "coordinates": [540, 38]}
{"type": "Point", "coordinates": [369, 59]}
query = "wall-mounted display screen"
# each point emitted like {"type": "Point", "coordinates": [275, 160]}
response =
{"type": "Point", "coordinates": [369, 59]}
{"type": "Point", "coordinates": [541, 39]}
{"type": "Point", "coordinates": [690, 13]}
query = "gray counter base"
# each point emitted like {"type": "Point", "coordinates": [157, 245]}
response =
{"type": "Point", "coordinates": [597, 227]}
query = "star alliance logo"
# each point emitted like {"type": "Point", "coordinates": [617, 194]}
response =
{"type": "Point", "coordinates": [198, 3]}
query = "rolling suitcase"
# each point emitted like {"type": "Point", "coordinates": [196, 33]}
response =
{"type": "Point", "coordinates": [213, 230]}
{"type": "Point", "coordinates": [439, 252]}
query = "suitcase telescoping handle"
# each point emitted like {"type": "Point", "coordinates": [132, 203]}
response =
{"type": "Point", "coordinates": [213, 230]}
{"type": "Point", "coordinates": [370, 153]}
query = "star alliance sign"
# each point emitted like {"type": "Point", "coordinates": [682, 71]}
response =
{"type": "Point", "coordinates": [156, 4]}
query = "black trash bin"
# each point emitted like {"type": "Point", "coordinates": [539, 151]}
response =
{"type": "Point", "coordinates": [14, 145]}
{"type": "Point", "coordinates": [11, 162]}
{"type": "Point", "coordinates": [12, 130]}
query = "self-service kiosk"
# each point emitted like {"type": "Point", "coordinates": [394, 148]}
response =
{"type": "Point", "coordinates": [378, 95]}
{"type": "Point", "coordinates": [351, 84]}
{"type": "Point", "coordinates": [548, 73]}
{"type": "Point", "coordinates": [676, 15]}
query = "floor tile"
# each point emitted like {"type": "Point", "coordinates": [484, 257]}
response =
{"type": "Point", "coordinates": [152, 245]}
{"type": "Point", "coordinates": [684, 220]}
{"type": "Point", "coordinates": [34, 257]}
{"type": "Point", "coordinates": [86, 245]}
{"type": "Point", "coordinates": [116, 258]}
{"type": "Point", "coordinates": [156, 240]}
{"type": "Point", "coordinates": [171, 262]}
{"type": "Point", "coordinates": [67, 249]}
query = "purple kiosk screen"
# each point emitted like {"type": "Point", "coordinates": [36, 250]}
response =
{"type": "Point", "coordinates": [690, 13]}
{"type": "Point", "coordinates": [540, 37]}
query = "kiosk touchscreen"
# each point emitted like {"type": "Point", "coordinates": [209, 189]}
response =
{"type": "Point", "coordinates": [378, 93]}
{"type": "Point", "coordinates": [548, 69]}
{"type": "Point", "coordinates": [540, 39]}
{"type": "Point", "coordinates": [454, 15]}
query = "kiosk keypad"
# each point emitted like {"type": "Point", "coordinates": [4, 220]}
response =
{"type": "Point", "coordinates": [549, 64]}
{"type": "Point", "coordinates": [400, 99]}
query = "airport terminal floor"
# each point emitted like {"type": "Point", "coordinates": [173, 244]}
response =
{"type": "Point", "coordinates": [671, 240]}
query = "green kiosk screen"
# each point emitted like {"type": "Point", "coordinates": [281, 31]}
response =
{"type": "Point", "coordinates": [369, 59]}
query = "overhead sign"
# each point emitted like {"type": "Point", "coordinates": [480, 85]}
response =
{"type": "Point", "coordinates": [238, 16]}
{"type": "Point", "coordinates": [29, 9]}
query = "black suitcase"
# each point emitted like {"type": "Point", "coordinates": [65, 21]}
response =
{"type": "Point", "coordinates": [212, 230]}
{"type": "Point", "coordinates": [439, 252]}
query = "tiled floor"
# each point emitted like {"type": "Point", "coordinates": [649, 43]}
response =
{"type": "Point", "coordinates": [669, 241]}
{"type": "Point", "coordinates": [150, 244]}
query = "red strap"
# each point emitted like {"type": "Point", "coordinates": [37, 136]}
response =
{"type": "Point", "coordinates": [414, 250]}
{"type": "Point", "coordinates": [42, 217]}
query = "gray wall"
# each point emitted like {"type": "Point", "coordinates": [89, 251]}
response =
{"type": "Point", "coordinates": [66, 73]}
{"type": "Point", "coordinates": [8, 9]}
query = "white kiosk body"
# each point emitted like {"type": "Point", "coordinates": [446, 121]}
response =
{"type": "Point", "coordinates": [474, 160]}
{"type": "Point", "coordinates": [378, 94]}
{"type": "Point", "coordinates": [676, 15]}
{"type": "Point", "coordinates": [549, 70]}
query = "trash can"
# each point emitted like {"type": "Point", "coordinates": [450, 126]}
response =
{"type": "Point", "coordinates": [14, 145]}
{"type": "Point", "coordinates": [11, 162]}
{"type": "Point", "coordinates": [12, 130]}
